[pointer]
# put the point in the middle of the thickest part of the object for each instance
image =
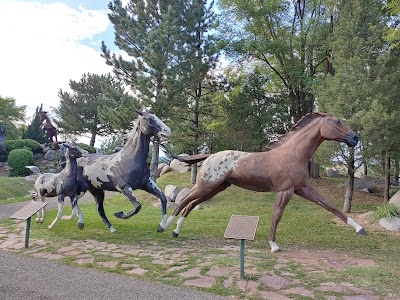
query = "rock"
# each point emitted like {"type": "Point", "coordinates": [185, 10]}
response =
{"type": "Point", "coordinates": [31, 178]}
{"type": "Point", "coordinates": [179, 166]}
{"type": "Point", "coordinates": [50, 155]}
{"type": "Point", "coordinates": [332, 173]}
{"type": "Point", "coordinates": [159, 168]}
{"type": "Point", "coordinates": [38, 156]}
{"type": "Point", "coordinates": [166, 169]}
{"type": "Point", "coordinates": [183, 192]}
{"type": "Point", "coordinates": [361, 184]}
{"type": "Point", "coordinates": [395, 200]}
{"type": "Point", "coordinates": [392, 224]}
{"type": "Point", "coordinates": [171, 191]}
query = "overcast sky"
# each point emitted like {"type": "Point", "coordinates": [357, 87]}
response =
{"type": "Point", "coordinates": [46, 43]}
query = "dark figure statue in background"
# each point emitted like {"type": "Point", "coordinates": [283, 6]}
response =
{"type": "Point", "coordinates": [47, 126]}
{"type": "Point", "coordinates": [3, 132]}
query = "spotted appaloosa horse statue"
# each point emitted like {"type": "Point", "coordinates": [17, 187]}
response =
{"type": "Point", "coordinates": [47, 126]}
{"type": "Point", "coordinates": [60, 184]}
{"type": "Point", "coordinates": [284, 170]}
{"type": "Point", "coordinates": [127, 169]}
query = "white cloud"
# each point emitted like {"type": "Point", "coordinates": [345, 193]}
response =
{"type": "Point", "coordinates": [46, 45]}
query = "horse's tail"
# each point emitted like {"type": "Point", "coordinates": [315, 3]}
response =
{"type": "Point", "coordinates": [192, 159]}
{"type": "Point", "coordinates": [34, 169]}
{"type": "Point", "coordinates": [189, 159]}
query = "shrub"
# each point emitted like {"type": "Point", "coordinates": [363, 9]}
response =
{"type": "Point", "coordinates": [20, 144]}
{"type": "Point", "coordinates": [386, 210]}
{"type": "Point", "coordinates": [18, 159]}
{"type": "Point", "coordinates": [88, 148]}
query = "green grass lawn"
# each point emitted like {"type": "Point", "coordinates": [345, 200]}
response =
{"type": "Point", "coordinates": [14, 189]}
{"type": "Point", "coordinates": [304, 225]}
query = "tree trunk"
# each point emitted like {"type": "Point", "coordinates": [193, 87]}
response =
{"type": "Point", "coordinates": [194, 173]}
{"type": "Point", "coordinates": [396, 171]}
{"type": "Point", "coordinates": [348, 197]}
{"type": "Point", "coordinates": [387, 177]}
{"type": "Point", "coordinates": [93, 139]}
{"type": "Point", "coordinates": [154, 159]}
{"type": "Point", "coordinates": [313, 169]}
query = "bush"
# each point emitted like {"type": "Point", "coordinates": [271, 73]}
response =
{"type": "Point", "coordinates": [20, 144]}
{"type": "Point", "coordinates": [386, 210]}
{"type": "Point", "coordinates": [18, 159]}
{"type": "Point", "coordinates": [88, 148]}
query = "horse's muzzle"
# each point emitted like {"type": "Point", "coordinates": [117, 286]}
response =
{"type": "Point", "coordinates": [352, 140]}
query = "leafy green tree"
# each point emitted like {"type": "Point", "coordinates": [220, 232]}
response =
{"type": "Point", "coordinates": [289, 38]}
{"type": "Point", "coordinates": [355, 47]}
{"type": "Point", "coordinates": [78, 111]}
{"type": "Point", "coordinates": [11, 116]}
{"type": "Point", "coordinates": [254, 116]}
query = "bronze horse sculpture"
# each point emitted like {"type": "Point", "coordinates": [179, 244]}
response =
{"type": "Point", "coordinates": [127, 169]}
{"type": "Point", "coordinates": [283, 170]}
{"type": "Point", "coordinates": [47, 125]}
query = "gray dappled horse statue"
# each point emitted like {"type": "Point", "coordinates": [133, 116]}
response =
{"type": "Point", "coordinates": [283, 170]}
{"type": "Point", "coordinates": [127, 169]}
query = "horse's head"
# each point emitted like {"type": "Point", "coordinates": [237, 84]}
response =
{"type": "Point", "coordinates": [70, 151]}
{"type": "Point", "coordinates": [42, 115]}
{"type": "Point", "coordinates": [333, 129]}
{"type": "Point", "coordinates": [151, 125]}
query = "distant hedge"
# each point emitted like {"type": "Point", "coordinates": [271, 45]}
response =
{"type": "Point", "coordinates": [18, 159]}
{"type": "Point", "coordinates": [88, 148]}
{"type": "Point", "coordinates": [29, 144]}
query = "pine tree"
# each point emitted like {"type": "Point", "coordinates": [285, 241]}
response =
{"type": "Point", "coordinates": [34, 130]}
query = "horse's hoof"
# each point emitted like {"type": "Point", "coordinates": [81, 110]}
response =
{"type": "Point", "coordinates": [49, 227]}
{"type": "Point", "coordinates": [37, 220]}
{"type": "Point", "coordinates": [276, 250]}
{"type": "Point", "coordinates": [362, 232]}
{"type": "Point", "coordinates": [174, 234]}
{"type": "Point", "coordinates": [81, 225]}
{"type": "Point", "coordinates": [119, 214]}
{"type": "Point", "coordinates": [160, 228]}
{"type": "Point", "coordinates": [112, 229]}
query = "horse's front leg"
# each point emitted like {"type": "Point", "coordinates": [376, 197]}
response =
{"type": "Point", "coordinates": [311, 194]}
{"type": "Point", "coordinates": [41, 214]}
{"type": "Point", "coordinates": [281, 200]}
{"type": "Point", "coordinates": [60, 211]}
{"type": "Point", "coordinates": [128, 193]}
{"type": "Point", "coordinates": [152, 188]}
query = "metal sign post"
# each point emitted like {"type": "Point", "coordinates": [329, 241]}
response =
{"type": "Point", "coordinates": [26, 213]}
{"type": "Point", "coordinates": [241, 228]}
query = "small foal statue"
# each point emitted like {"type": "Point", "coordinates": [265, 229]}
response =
{"type": "Point", "coordinates": [60, 184]}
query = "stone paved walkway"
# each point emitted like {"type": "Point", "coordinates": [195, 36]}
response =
{"type": "Point", "coordinates": [288, 275]}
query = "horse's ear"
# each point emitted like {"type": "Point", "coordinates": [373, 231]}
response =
{"type": "Point", "coordinates": [139, 112]}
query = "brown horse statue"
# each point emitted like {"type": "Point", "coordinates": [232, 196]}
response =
{"type": "Point", "coordinates": [283, 170]}
{"type": "Point", "coordinates": [47, 126]}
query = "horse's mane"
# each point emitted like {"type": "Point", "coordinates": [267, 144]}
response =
{"type": "Point", "coordinates": [303, 122]}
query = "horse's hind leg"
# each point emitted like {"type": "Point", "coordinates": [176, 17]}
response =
{"type": "Point", "coordinates": [281, 200]}
{"type": "Point", "coordinates": [153, 189]}
{"type": "Point", "coordinates": [99, 197]}
{"type": "Point", "coordinates": [192, 204]}
{"type": "Point", "coordinates": [311, 194]}
{"type": "Point", "coordinates": [74, 210]}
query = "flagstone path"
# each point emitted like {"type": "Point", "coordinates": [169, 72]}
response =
{"type": "Point", "coordinates": [294, 274]}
